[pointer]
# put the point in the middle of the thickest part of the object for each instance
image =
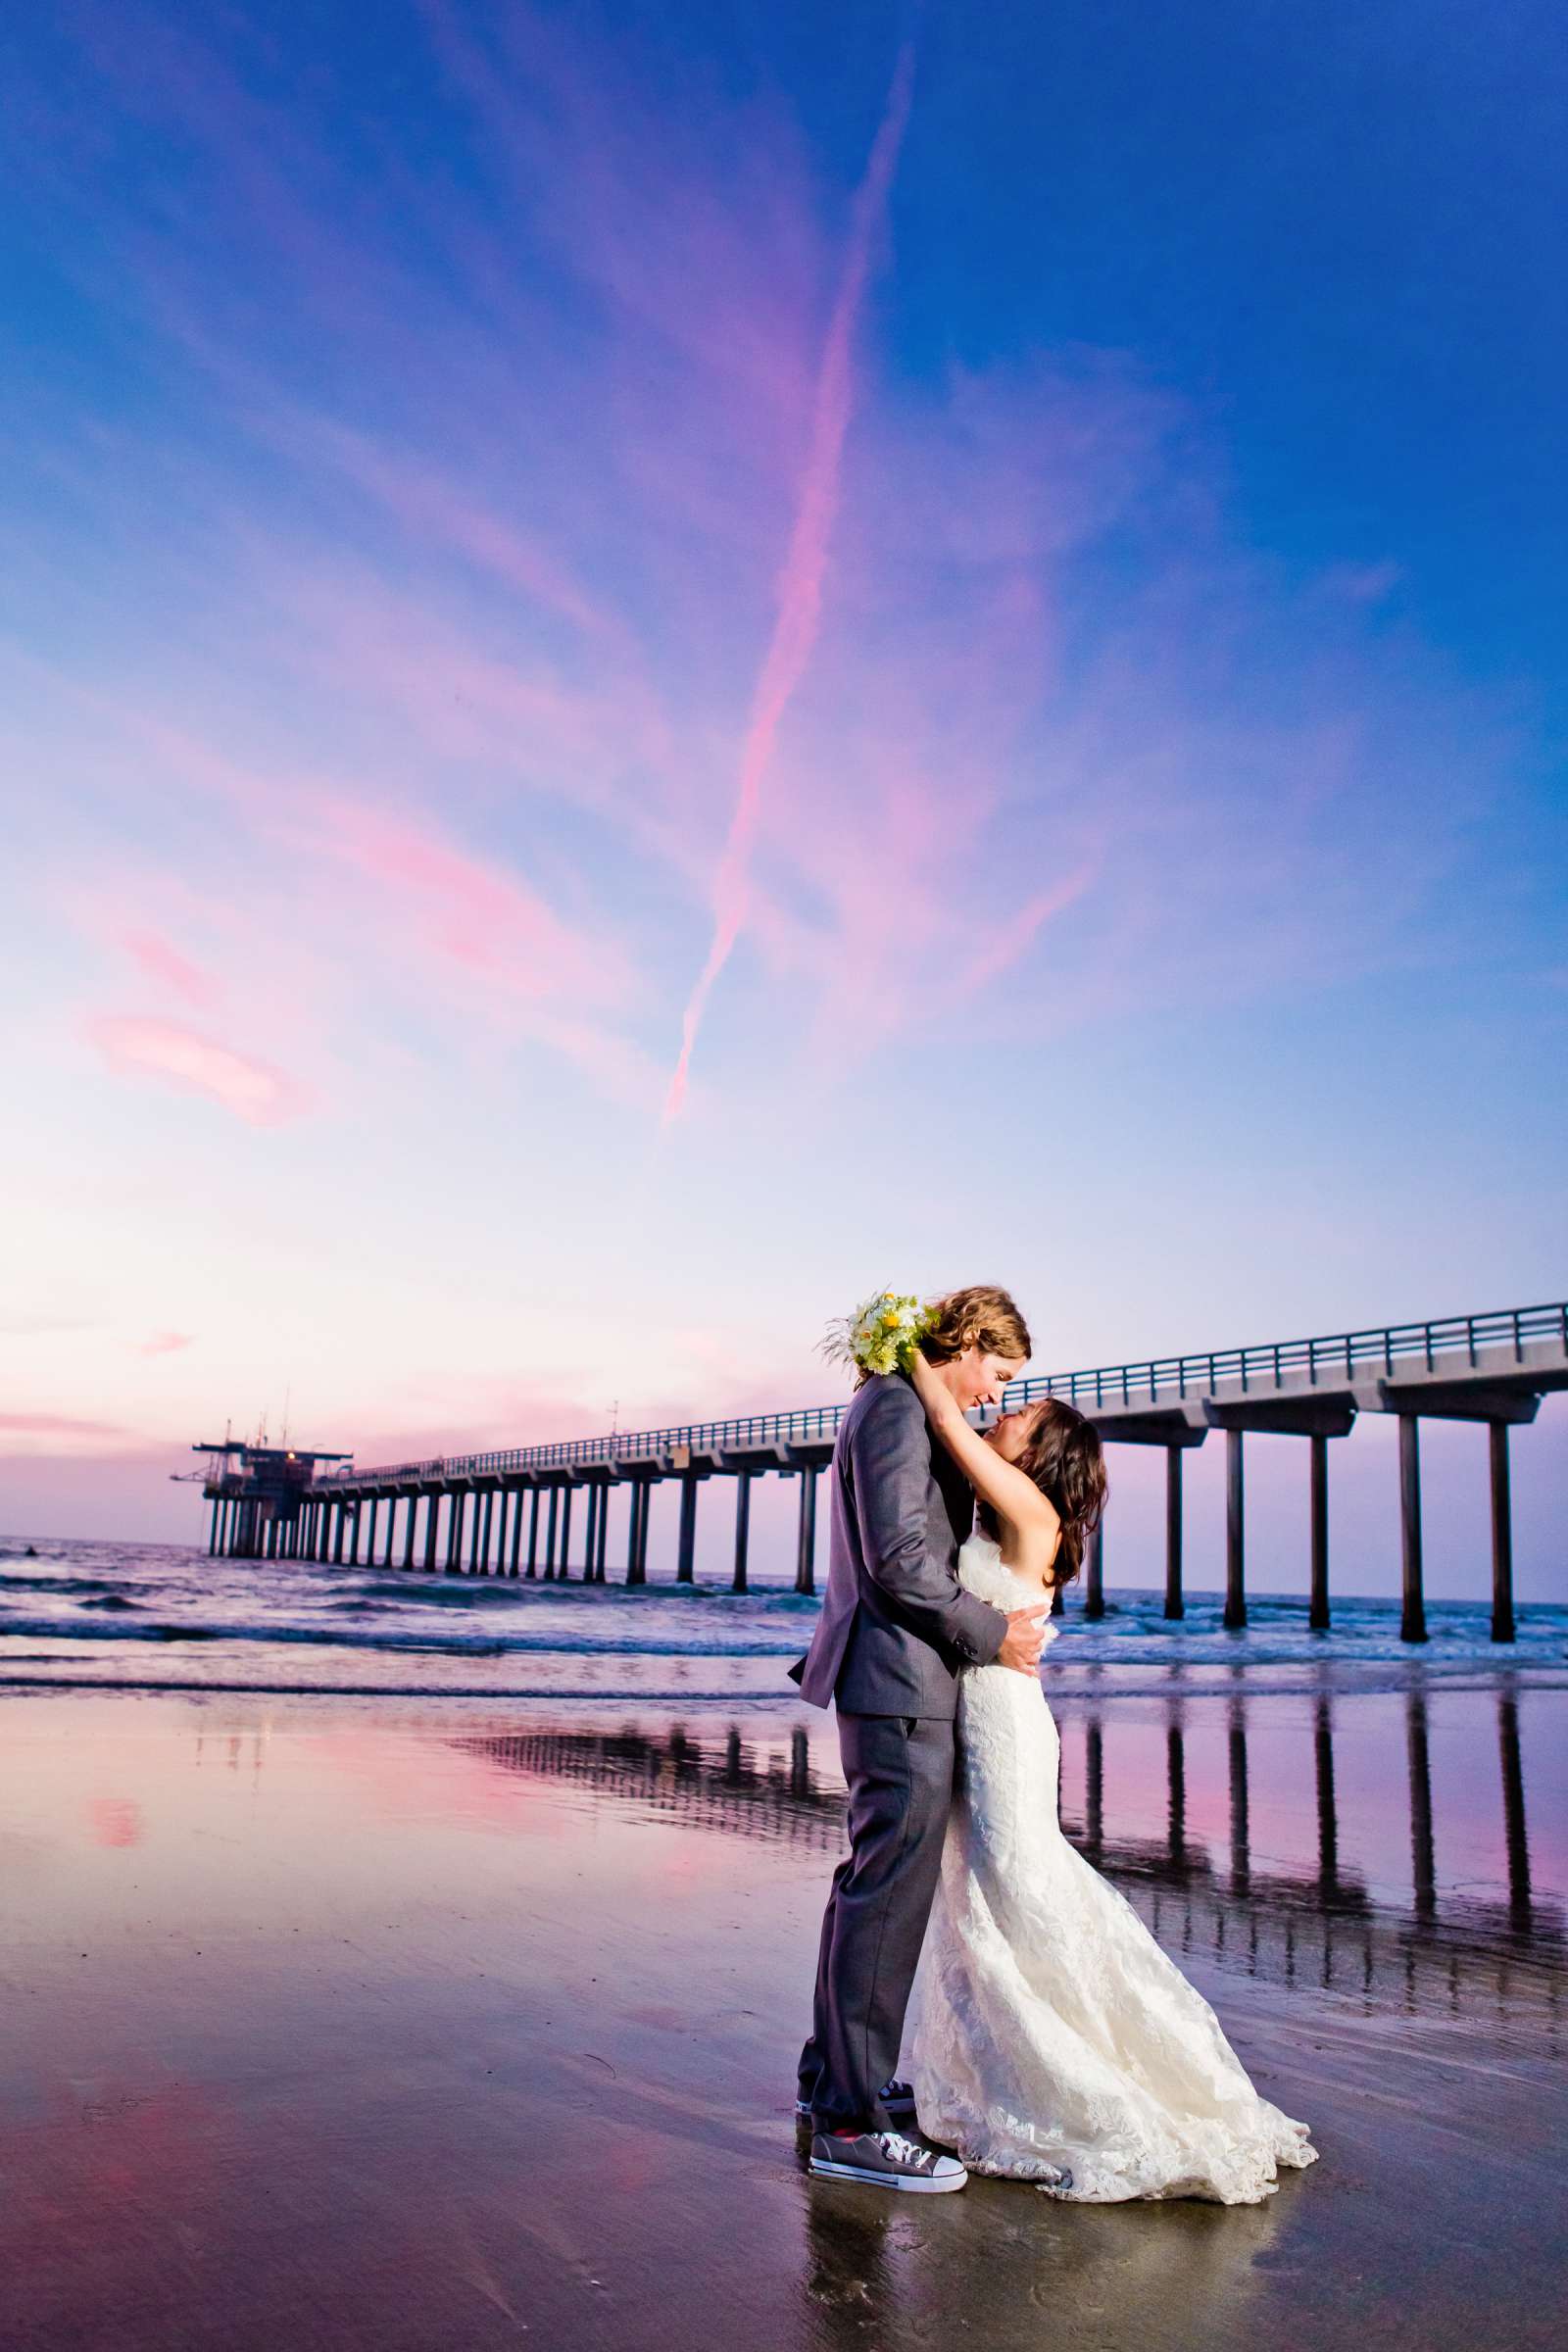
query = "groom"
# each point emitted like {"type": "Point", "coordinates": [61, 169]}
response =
{"type": "Point", "coordinates": [895, 1629]}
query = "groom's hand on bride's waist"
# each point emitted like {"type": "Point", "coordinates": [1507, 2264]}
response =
{"type": "Point", "coordinates": [1024, 1640]}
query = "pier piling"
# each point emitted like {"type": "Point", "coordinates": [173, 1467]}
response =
{"type": "Point", "coordinates": [686, 1547]}
{"type": "Point", "coordinates": [805, 1544]}
{"type": "Point", "coordinates": [1414, 1615]}
{"type": "Point", "coordinates": [1234, 1612]}
{"type": "Point", "coordinates": [743, 1529]}
{"type": "Point", "coordinates": [1174, 1604]}
{"type": "Point", "coordinates": [1502, 1625]}
{"type": "Point", "coordinates": [1317, 1616]}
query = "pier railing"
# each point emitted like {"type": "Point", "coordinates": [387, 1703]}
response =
{"type": "Point", "coordinates": [1453, 1338]}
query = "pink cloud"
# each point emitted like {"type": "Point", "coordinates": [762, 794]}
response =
{"type": "Point", "coordinates": [162, 961]}
{"type": "Point", "coordinates": [166, 1342]}
{"type": "Point", "coordinates": [254, 1091]}
{"type": "Point", "coordinates": [1013, 937]}
{"type": "Point", "coordinates": [60, 1432]}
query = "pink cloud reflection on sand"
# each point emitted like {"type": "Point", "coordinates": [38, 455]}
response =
{"type": "Point", "coordinates": [115, 1821]}
{"type": "Point", "coordinates": [251, 1090]}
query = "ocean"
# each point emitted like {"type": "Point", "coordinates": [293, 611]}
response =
{"type": "Point", "coordinates": [168, 1616]}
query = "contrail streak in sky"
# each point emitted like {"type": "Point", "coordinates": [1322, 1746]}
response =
{"type": "Point", "coordinates": [800, 598]}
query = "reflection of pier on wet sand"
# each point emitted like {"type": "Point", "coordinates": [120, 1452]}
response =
{"type": "Point", "coordinates": [1438, 1952]}
{"type": "Point", "coordinates": [387, 2043]}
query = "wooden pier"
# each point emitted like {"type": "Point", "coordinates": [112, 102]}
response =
{"type": "Point", "coordinates": [511, 1513]}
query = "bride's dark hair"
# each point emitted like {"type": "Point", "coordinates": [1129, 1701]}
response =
{"type": "Point", "coordinates": [1064, 1455]}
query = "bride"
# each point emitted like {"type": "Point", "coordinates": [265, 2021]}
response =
{"type": "Point", "coordinates": [1055, 2041]}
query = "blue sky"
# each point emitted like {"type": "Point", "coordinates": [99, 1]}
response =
{"type": "Point", "coordinates": [994, 579]}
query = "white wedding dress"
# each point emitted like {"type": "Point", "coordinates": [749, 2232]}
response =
{"type": "Point", "coordinates": [1051, 2035]}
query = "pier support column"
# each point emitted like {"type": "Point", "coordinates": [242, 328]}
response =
{"type": "Point", "coordinates": [432, 1506]}
{"type": "Point", "coordinates": [340, 1517]}
{"type": "Point", "coordinates": [479, 1549]}
{"type": "Point", "coordinates": [413, 1502]}
{"type": "Point", "coordinates": [212, 1539]}
{"type": "Point", "coordinates": [1502, 1625]}
{"type": "Point", "coordinates": [637, 1534]}
{"type": "Point", "coordinates": [1413, 1614]}
{"type": "Point", "coordinates": [590, 1534]}
{"type": "Point", "coordinates": [805, 1544]}
{"type": "Point", "coordinates": [686, 1550]}
{"type": "Point", "coordinates": [1235, 1616]}
{"type": "Point", "coordinates": [1318, 1615]}
{"type": "Point", "coordinates": [504, 1502]}
{"type": "Point", "coordinates": [564, 1564]}
{"type": "Point", "coordinates": [1094, 1575]}
{"type": "Point", "coordinates": [549, 1576]}
{"type": "Point", "coordinates": [458, 1511]}
{"type": "Point", "coordinates": [517, 1531]}
{"type": "Point", "coordinates": [602, 1538]}
{"type": "Point", "coordinates": [1175, 1606]}
{"type": "Point", "coordinates": [644, 1530]}
{"type": "Point", "coordinates": [533, 1534]}
{"type": "Point", "coordinates": [370, 1547]}
{"type": "Point", "coordinates": [743, 1529]}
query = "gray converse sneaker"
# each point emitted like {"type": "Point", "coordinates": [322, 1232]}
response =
{"type": "Point", "coordinates": [898, 2099]}
{"type": "Point", "coordinates": [887, 2161]}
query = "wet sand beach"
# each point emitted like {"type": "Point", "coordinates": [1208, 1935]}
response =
{"type": "Point", "coordinates": [444, 2023]}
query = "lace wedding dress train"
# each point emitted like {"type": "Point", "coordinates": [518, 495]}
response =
{"type": "Point", "coordinates": [1052, 2037]}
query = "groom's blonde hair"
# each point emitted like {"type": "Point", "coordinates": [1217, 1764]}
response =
{"type": "Point", "coordinates": [982, 1317]}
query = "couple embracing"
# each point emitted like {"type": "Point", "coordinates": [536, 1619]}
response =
{"type": "Point", "coordinates": [1053, 2039]}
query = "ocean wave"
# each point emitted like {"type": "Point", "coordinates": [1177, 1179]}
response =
{"type": "Point", "coordinates": [67, 1586]}
{"type": "Point", "coordinates": [438, 1643]}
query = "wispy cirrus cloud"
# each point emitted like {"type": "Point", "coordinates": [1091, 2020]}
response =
{"type": "Point", "coordinates": [166, 1342]}
{"type": "Point", "coordinates": [251, 1090]}
{"type": "Point", "coordinates": [160, 961]}
{"type": "Point", "coordinates": [57, 1433]}
{"type": "Point", "coordinates": [801, 583]}
{"type": "Point", "coordinates": [519, 530]}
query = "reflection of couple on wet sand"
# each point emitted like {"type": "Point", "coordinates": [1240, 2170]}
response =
{"type": "Point", "coordinates": [1053, 2039]}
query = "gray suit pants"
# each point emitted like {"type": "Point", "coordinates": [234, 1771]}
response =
{"type": "Point", "coordinates": [898, 1770]}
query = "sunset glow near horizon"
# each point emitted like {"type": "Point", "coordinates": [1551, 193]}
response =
{"type": "Point", "coordinates": [664, 664]}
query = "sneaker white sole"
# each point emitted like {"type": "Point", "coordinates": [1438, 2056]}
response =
{"type": "Point", "coordinates": [906, 2181]}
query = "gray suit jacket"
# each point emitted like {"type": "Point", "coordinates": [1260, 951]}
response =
{"type": "Point", "coordinates": [896, 1623]}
